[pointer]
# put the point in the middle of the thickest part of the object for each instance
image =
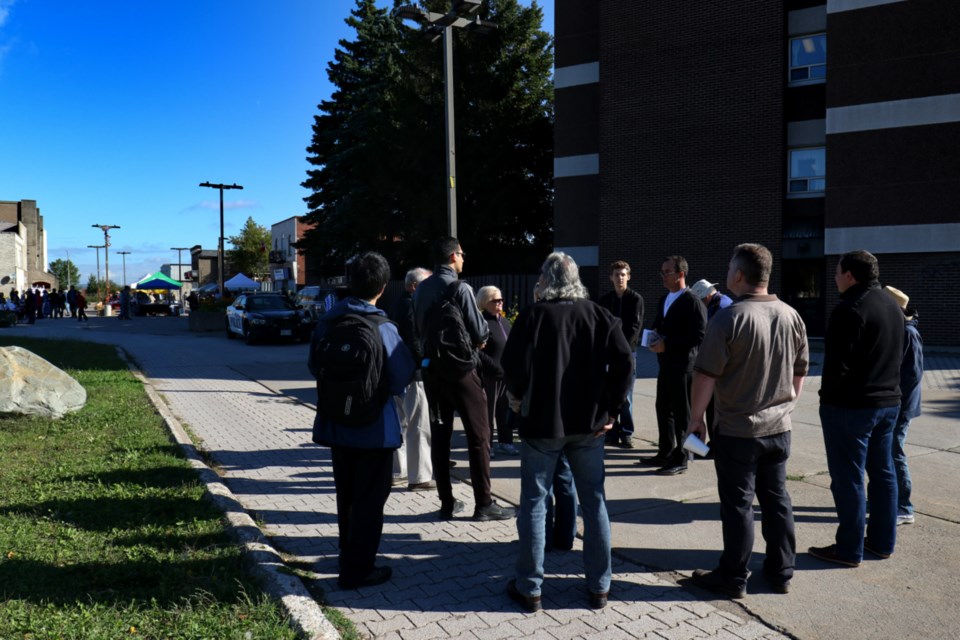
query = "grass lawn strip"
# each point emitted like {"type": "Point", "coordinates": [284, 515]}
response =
{"type": "Point", "coordinates": [104, 532]}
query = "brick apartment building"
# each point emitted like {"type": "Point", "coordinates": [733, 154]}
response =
{"type": "Point", "coordinates": [811, 127]}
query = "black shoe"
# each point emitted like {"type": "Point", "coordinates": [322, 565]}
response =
{"type": "Point", "coordinates": [531, 604]}
{"type": "Point", "coordinates": [830, 555]}
{"type": "Point", "coordinates": [868, 547]}
{"type": "Point", "coordinates": [626, 442]}
{"type": "Point", "coordinates": [598, 600]}
{"type": "Point", "coordinates": [611, 441]}
{"type": "Point", "coordinates": [654, 461]}
{"type": "Point", "coordinates": [671, 470]}
{"type": "Point", "coordinates": [776, 582]}
{"type": "Point", "coordinates": [422, 486]}
{"type": "Point", "coordinates": [780, 587]}
{"type": "Point", "coordinates": [713, 581]}
{"type": "Point", "coordinates": [453, 463]}
{"type": "Point", "coordinates": [493, 511]}
{"type": "Point", "coordinates": [448, 511]}
{"type": "Point", "coordinates": [379, 575]}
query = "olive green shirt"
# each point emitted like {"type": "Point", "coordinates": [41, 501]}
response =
{"type": "Point", "coordinates": [754, 348]}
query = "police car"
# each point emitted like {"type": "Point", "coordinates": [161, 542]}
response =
{"type": "Point", "coordinates": [264, 316]}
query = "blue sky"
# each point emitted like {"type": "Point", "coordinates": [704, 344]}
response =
{"type": "Point", "coordinates": [113, 111]}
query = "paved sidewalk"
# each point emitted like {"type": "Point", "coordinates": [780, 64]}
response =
{"type": "Point", "coordinates": [246, 404]}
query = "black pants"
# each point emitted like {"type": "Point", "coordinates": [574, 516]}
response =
{"type": "Point", "coordinates": [673, 413]}
{"type": "Point", "coordinates": [467, 397]}
{"type": "Point", "coordinates": [497, 407]}
{"type": "Point", "coordinates": [747, 467]}
{"type": "Point", "coordinates": [362, 478]}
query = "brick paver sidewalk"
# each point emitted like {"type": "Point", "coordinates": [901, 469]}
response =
{"type": "Point", "coordinates": [449, 577]}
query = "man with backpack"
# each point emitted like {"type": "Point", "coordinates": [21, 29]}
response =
{"type": "Point", "coordinates": [451, 330]}
{"type": "Point", "coordinates": [360, 363]}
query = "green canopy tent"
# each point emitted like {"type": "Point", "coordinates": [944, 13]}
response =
{"type": "Point", "coordinates": [153, 282]}
{"type": "Point", "coordinates": [158, 281]}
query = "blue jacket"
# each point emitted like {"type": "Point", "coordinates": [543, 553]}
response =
{"type": "Point", "coordinates": [384, 433]}
{"type": "Point", "coordinates": [911, 370]}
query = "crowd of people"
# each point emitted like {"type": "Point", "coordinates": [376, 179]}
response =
{"type": "Point", "coordinates": [731, 369]}
{"type": "Point", "coordinates": [38, 303]}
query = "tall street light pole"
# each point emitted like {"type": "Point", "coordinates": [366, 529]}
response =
{"type": "Point", "coordinates": [124, 254]}
{"type": "Point", "coordinates": [221, 187]}
{"type": "Point", "coordinates": [180, 268]}
{"type": "Point", "coordinates": [437, 24]}
{"type": "Point", "coordinates": [97, 247]}
{"type": "Point", "coordinates": [106, 259]}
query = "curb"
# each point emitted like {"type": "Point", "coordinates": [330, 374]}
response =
{"type": "Point", "coordinates": [263, 561]}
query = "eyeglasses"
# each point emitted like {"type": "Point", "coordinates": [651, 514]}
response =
{"type": "Point", "coordinates": [668, 273]}
{"type": "Point", "coordinates": [497, 301]}
{"type": "Point", "coordinates": [459, 253]}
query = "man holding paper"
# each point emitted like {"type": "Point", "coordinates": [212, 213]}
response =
{"type": "Point", "coordinates": [754, 357]}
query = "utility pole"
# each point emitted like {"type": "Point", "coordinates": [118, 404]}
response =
{"type": "Point", "coordinates": [106, 260]}
{"type": "Point", "coordinates": [180, 270]}
{"type": "Point", "coordinates": [221, 187]}
{"type": "Point", "coordinates": [97, 247]}
{"type": "Point", "coordinates": [124, 254]}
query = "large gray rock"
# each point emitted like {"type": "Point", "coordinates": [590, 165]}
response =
{"type": "Point", "coordinates": [31, 385]}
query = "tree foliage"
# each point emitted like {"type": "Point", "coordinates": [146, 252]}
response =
{"type": "Point", "coordinates": [378, 177]}
{"type": "Point", "coordinates": [250, 247]}
{"type": "Point", "coordinates": [66, 272]}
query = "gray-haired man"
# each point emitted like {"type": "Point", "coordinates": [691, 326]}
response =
{"type": "Point", "coordinates": [412, 459]}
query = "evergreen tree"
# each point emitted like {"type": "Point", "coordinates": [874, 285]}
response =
{"type": "Point", "coordinates": [379, 169]}
{"type": "Point", "coordinates": [250, 247]}
{"type": "Point", "coordinates": [66, 272]}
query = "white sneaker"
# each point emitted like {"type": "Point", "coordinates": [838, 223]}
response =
{"type": "Point", "coordinates": [906, 519]}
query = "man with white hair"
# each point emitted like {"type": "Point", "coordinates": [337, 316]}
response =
{"type": "Point", "coordinates": [569, 362]}
{"type": "Point", "coordinates": [412, 459]}
{"type": "Point", "coordinates": [712, 299]}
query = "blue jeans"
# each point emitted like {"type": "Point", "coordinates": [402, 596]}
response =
{"type": "Point", "coordinates": [624, 427]}
{"type": "Point", "coordinates": [904, 485]}
{"type": "Point", "coordinates": [538, 462]}
{"type": "Point", "coordinates": [859, 440]}
{"type": "Point", "coordinates": [561, 508]}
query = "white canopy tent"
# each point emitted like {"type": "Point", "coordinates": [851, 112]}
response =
{"type": "Point", "coordinates": [241, 282]}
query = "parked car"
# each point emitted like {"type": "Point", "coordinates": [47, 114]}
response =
{"type": "Point", "coordinates": [261, 316]}
{"type": "Point", "coordinates": [316, 301]}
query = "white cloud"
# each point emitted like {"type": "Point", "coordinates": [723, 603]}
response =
{"type": "Point", "coordinates": [5, 6]}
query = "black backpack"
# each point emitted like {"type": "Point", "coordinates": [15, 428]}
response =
{"type": "Point", "coordinates": [351, 377]}
{"type": "Point", "coordinates": [448, 345]}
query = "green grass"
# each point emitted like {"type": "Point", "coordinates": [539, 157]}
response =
{"type": "Point", "coordinates": [103, 529]}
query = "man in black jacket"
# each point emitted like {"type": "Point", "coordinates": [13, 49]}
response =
{"type": "Point", "coordinates": [626, 304]}
{"type": "Point", "coordinates": [859, 403]}
{"type": "Point", "coordinates": [568, 362]}
{"type": "Point", "coordinates": [464, 392]}
{"type": "Point", "coordinates": [680, 325]}
{"type": "Point", "coordinates": [412, 459]}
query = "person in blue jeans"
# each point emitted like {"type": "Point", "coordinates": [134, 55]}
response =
{"type": "Point", "coordinates": [859, 404]}
{"type": "Point", "coordinates": [569, 364]}
{"type": "Point", "coordinates": [627, 305]}
{"type": "Point", "coordinates": [911, 373]}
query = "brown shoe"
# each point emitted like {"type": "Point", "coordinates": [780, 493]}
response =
{"type": "Point", "coordinates": [829, 554]}
{"type": "Point", "coordinates": [598, 600]}
{"type": "Point", "coordinates": [530, 604]}
{"type": "Point", "coordinates": [422, 486]}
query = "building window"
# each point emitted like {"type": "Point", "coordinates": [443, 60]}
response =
{"type": "Point", "coordinates": [808, 59]}
{"type": "Point", "coordinates": [808, 170]}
